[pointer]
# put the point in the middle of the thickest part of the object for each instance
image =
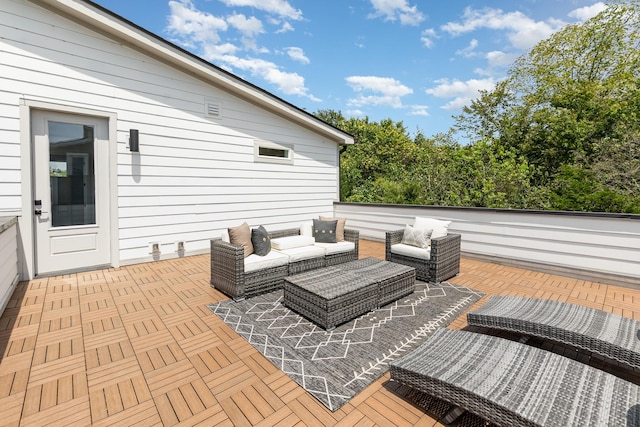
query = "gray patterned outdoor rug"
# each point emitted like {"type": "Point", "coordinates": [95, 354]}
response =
{"type": "Point", "coordinates": [335, 366]}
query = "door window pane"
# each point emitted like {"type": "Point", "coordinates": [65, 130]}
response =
{"type": "Point", "coordinates": [71, 174]}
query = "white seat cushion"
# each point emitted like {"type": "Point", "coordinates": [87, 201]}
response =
{"type": "Point", "coordinates": [439, 227]}
{"type": "Point", "coordinates": [302, 253]}
{"type": "Point", "coordinates": [336, 248]}
{"type": "Point", "coordinates": [412, 251]}
{"type": "Point", "coordinates": [289, 242]}
{"type": "Point", "coordinates": [256, 262]}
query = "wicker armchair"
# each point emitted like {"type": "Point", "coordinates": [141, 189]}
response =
{"type": "Point", "coordinates": [228, 274]}
{"type": "Point", "coordinates": [443, 263]}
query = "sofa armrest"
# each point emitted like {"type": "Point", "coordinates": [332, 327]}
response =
{"type": "Point", "coordinates": [353, 236]}
{"type": "Point", "coordinates": [227, 267]}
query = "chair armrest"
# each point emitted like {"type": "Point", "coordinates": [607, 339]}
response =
{"type": "Point", "coordinates": [447, 246]}
{"type": "Point", "coordinates": [392, 238]}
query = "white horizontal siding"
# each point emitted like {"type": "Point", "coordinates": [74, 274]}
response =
{"type": "Point", "coordinates": [205, 204]}
{"type": "Point", "coordinates": [601, 244]}
{"type": "Point", "coordinates": [9, 150]}
{"type": "Point", "coordinates": [8, 262]}
{"type": "Point", "coordinates": [9, 175]}
{"type": "Point", "coordinates": [194, 176]}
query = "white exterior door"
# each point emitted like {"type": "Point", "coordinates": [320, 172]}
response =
{"type": "Point", "coordinates": [71, 192]}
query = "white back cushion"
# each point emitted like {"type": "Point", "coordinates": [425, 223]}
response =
{"type": "Point", "coordinates": [289, 242]}
{"type": "Point", "coordinates": [306, 229]}
{"type": "Point", "coordinates": [439, 227]}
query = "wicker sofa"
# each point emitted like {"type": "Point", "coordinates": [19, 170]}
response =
{"type": "Point", "coordinates": [229, 275]}
{"type": "Point", "coordinates": [435, 263]}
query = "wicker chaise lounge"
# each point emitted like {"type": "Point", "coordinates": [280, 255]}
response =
{"type": "Point", "coordinates": [609, 335]}
{"type": "Point", "coordinates": [443, 262]}
{"type": "Point", "coordinates": [228, 266]}
{"type": "Point", "coordinates": [513, 384]}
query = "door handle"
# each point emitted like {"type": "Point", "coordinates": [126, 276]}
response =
{"type": "Point", "coordinates": [38, 212]}
{"type": "Point", "coordinates": [38, 204]}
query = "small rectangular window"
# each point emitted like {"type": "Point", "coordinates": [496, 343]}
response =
{"type": "Point", "coordinates": [273, 152]}
{"type": "Point", "coordinates": [270, 152]}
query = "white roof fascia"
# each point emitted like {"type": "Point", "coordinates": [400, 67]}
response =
{"type": "Point", "coordinates": [94, 17]}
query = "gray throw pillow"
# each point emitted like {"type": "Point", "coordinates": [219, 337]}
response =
{"type": "Point", "coordinates": [339, 228]}
{"type": "Point", "coordinates": [261, 241]}
{"type": "Point", "coordinates": [324, 231]}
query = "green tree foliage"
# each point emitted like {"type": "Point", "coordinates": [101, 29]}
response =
{"type": "Point", "coordinates": [570, 108]}
{"type": "Point", "coordinates": [562, 131]}
{"type": "Point", "coordinates": [373, 168]}
{"type": "Point", "coordinates": [387, 166]}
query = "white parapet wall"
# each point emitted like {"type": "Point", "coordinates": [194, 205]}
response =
{"type": "Point", "coordinates": [591, 246]}
{"type": "Point", "coordinates": [8, 259]}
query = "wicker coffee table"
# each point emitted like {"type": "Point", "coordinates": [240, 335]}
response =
{"type": "Point", "coordinates": [334, 295]}
{"type": "Point", "coordinates": [394, 280]}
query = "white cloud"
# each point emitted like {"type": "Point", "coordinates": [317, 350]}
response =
{"type": "Point", "coordinates": [419, 110]}
{"type": "Point", "coordinates": [212, 51]}
{"type": "Point", "coordinates": [192, 25]}
{"type": "Point", "coordinates": [387, 91]}
{"type": "Point", "coordinates": [427, 37]}
{"type": "Point", "coordinates": [200, 32]}
{"type": "Point", "coordinates": [286, 27]}
{"type": "Point", "coordinates": [470, 50]}
{"type": "Point", "coordinates": [461, 92]}
{"type": "Point", "coordinates": [297, 54]}
{"type": "Point", "coordinates": [498, 59]}
{"type": "Point", "coordinates": [375, 101]}
{"type": "Point", "coordinates": [249, 27]}
{"type": "Point", "coordinates": [277, 7]}
{"type": "Point", "coordinates": [289, 83]}
{"type": "Point", "coordinates": [355, 113]}
{"type": "Point", "coordinates": [587, 12]}
{"type": "Point", "coordinates": [522, 31]}
{"type": "Point", "coordinates": [386, 85]}
{"type": "Point", "coordinates": [394, 10]}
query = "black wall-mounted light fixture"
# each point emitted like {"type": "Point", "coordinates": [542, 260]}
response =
{"type": "Point", "coordinates": [134, 146]}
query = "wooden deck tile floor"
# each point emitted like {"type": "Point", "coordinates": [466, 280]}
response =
{"type": "Point", "coordinates": [138, 346]}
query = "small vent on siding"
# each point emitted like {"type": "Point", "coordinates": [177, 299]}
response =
{"type": "Point", "coordinates": [213, 109]}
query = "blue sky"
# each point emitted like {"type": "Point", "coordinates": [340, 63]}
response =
{"type": "Point", "coordinates": [408, 60]}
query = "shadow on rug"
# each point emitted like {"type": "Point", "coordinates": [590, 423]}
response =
{"type": "Point", "coordinates": [335, 366]}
